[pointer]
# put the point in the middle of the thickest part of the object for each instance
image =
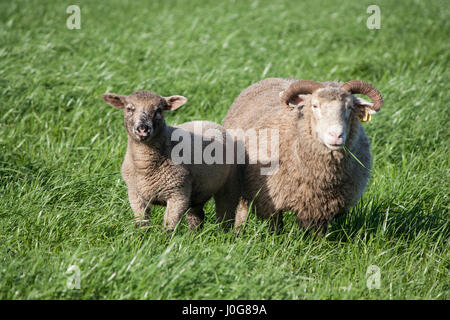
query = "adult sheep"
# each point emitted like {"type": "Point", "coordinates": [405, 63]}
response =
{"type": "Point", "coordinates": [317, 178]}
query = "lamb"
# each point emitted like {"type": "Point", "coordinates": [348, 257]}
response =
{"type": "Point", "coordinates": [150, 171]}
{"type": "Point", "coordinates": [317, 178]}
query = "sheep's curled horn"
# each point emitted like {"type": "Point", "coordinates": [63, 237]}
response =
{"type": "Point", "coordinates": [299, 87]}
{"type": "Point", "coordinates": [352, 86]}
{"type": "Point", "coordinates": [358, 86]}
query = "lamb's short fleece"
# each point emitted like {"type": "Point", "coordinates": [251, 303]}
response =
{"type": "Point", "coordinates": [151, 174]}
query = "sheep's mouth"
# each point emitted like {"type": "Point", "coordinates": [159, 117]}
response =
{"type": "Point", "coordinates": [335, 146]}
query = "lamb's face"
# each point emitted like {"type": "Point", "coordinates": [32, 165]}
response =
{"type": "Point", "coordinates": [332, 111]}
{"type": "Point", "coordinates": [144, 116]}
{"type": "Point", "coordinates": [144, 112]}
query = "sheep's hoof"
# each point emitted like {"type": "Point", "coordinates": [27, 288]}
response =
{"type": "Point", "coordinates": [141, 223]}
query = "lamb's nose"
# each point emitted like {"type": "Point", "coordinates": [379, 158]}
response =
{"type": "Point", "coordinates": [142, 128]}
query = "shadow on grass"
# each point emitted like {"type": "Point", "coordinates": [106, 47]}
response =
{"type": "Point", "coordinates": [391, 220]}
{"type": "Point", "coordinates": [370, 219]}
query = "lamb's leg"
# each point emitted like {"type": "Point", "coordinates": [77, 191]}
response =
{"type": "Point", "coordinates": [195, 217]}
{"type": "Point", "coordinates": [225, 209]}
{"type": "Point", "coordinates": [241, 214]}
{"type": "Point", "coordinates": [226, 200]}
{"type": "Point", "coordinates": [175, 209]}
{"type": "Point", "coordinates": [141, 210]}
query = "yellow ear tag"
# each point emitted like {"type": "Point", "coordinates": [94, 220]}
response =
{"type": "Point", "coordinates": [367, 116]}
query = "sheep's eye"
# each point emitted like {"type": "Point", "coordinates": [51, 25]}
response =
{"type": "Point", "coordinates": [315, 106]}
{"type": "Point", "coordinates": [130, 108]}
{"type": "Point", "coordinates": [158, 114]}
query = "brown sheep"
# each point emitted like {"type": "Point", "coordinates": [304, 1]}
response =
{"type": "Point", "coordinates": [150, 171]}
{"type": "Point", "coordinates": [317, 178]}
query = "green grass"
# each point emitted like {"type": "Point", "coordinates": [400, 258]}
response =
{"type": "Point", "coordinates": [63, 202]}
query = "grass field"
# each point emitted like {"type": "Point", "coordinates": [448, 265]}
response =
{"type": "Point", "coordinates": [62, 199]}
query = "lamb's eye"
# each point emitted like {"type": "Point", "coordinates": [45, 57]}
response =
{"type": "Point", "coordinates": [158, 114]}
{"type": "Point", "coordinates": [315, 106]}
{"type": "Point", "coordinates": [130, 108]}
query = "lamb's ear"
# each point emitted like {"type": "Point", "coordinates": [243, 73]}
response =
{"type": "Point", "coordinates": [174, 102]}
{"type": "Point", "coordinates": [296, 101]}
{"type": "Point", "coordinates": [364, 108]}
{"type": "Point", "coordinates": [115, 100]}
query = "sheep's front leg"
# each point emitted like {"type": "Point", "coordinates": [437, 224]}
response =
{"type": "Point", "coordinates": [175, 209]}
{"type": "Point", "coordinates": [141, 210]}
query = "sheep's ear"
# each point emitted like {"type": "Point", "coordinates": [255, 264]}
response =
{"type": "Point", "coordinates": [296, 101]}
{"type": "Point", "coordinates": [174, 102]}
{"type": "Point", "coordinates": [361, 103]}
{"type": "Point", "coordinates": [363, 108]}
{"type": "Point", "coordinates": [115, 100]}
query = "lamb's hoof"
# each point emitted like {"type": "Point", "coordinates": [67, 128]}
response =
{"type": "Point", "coordinates": [239, 230]}
{"type": "Point", "coordinates": [141, 223]}
{"type": "Point", "coordinates": [169, 232]}
{"type": "Point", "coordinates": [195, 226]}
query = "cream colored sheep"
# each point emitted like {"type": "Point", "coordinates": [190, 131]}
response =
{"type": "Point", "coordinates": [316, 177]}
